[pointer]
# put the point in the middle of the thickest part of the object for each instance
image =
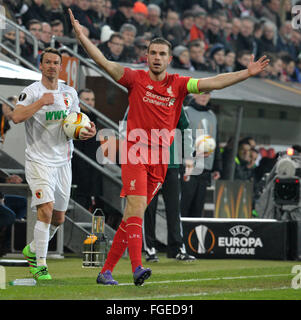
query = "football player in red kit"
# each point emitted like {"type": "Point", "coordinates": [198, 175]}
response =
{"type": "Point", "coordinates": [155, 102]}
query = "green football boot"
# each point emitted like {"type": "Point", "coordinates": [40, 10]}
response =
{"type": "Point", "coordinates": [31, 259]}
{"type": "Point", "coordinates": [42, 273]}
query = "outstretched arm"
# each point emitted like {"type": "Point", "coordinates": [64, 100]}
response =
{"type": "Point", "coordinates": [228, 79]}
{"type": "Point", "coordinates": [114, 69]}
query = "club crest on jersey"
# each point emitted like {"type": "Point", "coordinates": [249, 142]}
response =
{"type": "Point", "coordinates": [39, 194]}
{"type": "Point", "coordinates": [170, 92]}
{"type": "Point", "coordinates": [132, 185]}
{"type": "Point", "coordinates": [66, 100]}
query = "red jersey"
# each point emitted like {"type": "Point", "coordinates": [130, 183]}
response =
{"type": "Point", "coordinates": [153, 104]}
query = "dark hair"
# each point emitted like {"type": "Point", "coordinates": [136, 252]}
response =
{"type": "Point", "coordinates": [33, 21]}
{"type": "Point", "coordinates": [84, 90]}
{"type": "Point", "coordinates": [116, 35]}
{"type": "Point", "coordinates": [161, 41]}
{"type": "Point", "coordinates": [50, 50]}
{"type": "Point", "coordinates": [55, 23]}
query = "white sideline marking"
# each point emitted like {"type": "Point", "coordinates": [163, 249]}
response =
{"type": "Point", "coordinates": [205, 293]}
{"type": "Point", "coordinates": [209, 279]}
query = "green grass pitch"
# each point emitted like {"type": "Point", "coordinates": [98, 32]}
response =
{"type": "Point", "coordinates": [171, 280]}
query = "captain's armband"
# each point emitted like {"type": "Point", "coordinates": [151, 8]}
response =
{"type": "Point", "coordinates": [192, 86]}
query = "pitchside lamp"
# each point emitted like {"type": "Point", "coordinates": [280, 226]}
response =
{"type": "Point", "coordinates": [96, 244]}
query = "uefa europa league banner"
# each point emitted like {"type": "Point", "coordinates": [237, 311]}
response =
{"type": "Point", "coordinates": [236, 240]}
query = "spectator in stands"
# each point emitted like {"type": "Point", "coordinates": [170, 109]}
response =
{"type": "Point", "coordinates": [35, 10]}
{"type": "Point", "coordinates": [254, 154]}
{"type": "Point", "coordinates": [213, 34]}
{"type": "Point", "coordinates": [198, 29]}
{"type": "Point", "coordinates": [269, 37]}
{"type": "Point", "coordinates": [35, 28]}
{"type": "Point", "coordinates": [284, 42]}
{"type": "Point", "coordinates": [122, 15]}
{"type": "Point", "coordinates": [245, 39]}
{"type": "Point", "coordinates": [171, 29]}
{"type": "Point", "coordinates": [57, 28]}
{"type": "Point", "coordinates": [288, 68]}
{"type": "Point", "coordinates": [187, 24]}
{"type": "Point", "coordinates": [227, 31]}
{"type": "Point", "coordinates": [66, 4]}
{"type": "Point", "coordinates": [197, 58]}
{"type": "Point", "coordinates": [200, 115]}
{"type": "Point", "coordinates": [236, 25]}
{"type": "Point", "coordinates": [276, 68]}
{"type": "Point", "coordinates": [107, 11]}
{"type": "Point", "coordinates": [139, 17]}
{"type": "Point", "coordinates": [55, 11]}
{"type": "Point", "coordinates": [296, 41]}
{"type": "Point", "coordinates": [181, 58]}
{"type": "Point", "coordinates": [271, 11]}
{"type": "Point", "coordinates": [244, 8]}
{"type": "Point", "coordinates": [46, 34]}
{"type": "Point", "coordinates": [141, 45]}
{"type": "Point", "coordinates": [87, 178]}
{"type": "Point", "coordinates": [81, 13]}
{"type": "Point", "coordinates": [297, 74]}
{"type": "Point", "coordinates": [9, 40]}
{"type": "Point", "coordinates": [242, 160]}
{"type": "Point", "coordinates": [257, 8]}
{"type": "Point", "coordinates": [96, 13]}
{"type": "Point", "coordinates": [128, 32]}
{"type": "Point", "coordinates": [229, 8]}
{"type": "Point", "coordinates": [154, 21]}
{"type": "Point", "coordinates": [242, 60]}
{"type": "Point", "coordinates": [217, 58]}
{"type": "Point", "coordinates": [12, 10]}
{"type": "Point", "coordinates": [113, 48]}
{"type": "Point", "coordinates": [230, 60]}
{"type": "Point", "coordinates": [211, 6]}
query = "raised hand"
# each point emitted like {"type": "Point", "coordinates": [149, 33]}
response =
{"type": "Point", "coordinates": [75, 24]}
{"type": "Point", "coordinates": [256, 67]}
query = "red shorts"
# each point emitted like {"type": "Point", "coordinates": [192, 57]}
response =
{"type": "Point", "coordinates": [142, 179]}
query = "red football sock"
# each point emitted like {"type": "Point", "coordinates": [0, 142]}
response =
{"type": "Point", "coordinates": [118, 247]}
{"type": "Point", "coordinates": [134, 237]}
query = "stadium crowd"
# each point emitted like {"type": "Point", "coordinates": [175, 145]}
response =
{"type": "Point", "coordinates": [214, 36]}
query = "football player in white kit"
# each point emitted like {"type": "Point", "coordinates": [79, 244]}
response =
{"type": "Point", "coordinates": [43, 106]}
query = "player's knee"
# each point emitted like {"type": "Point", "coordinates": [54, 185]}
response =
{"type": "Point", "coordinates": [45, 212]}
{"type": "Point", "coordinates": [136, 207]}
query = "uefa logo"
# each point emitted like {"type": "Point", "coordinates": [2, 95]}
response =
{"type": "Point", "coordinates": [204, 237]}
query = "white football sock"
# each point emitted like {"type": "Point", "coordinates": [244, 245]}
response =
{"type": "Point", "coordinates": [41, 238]}
{"type": "Point", "coordinates": [52, 231]}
